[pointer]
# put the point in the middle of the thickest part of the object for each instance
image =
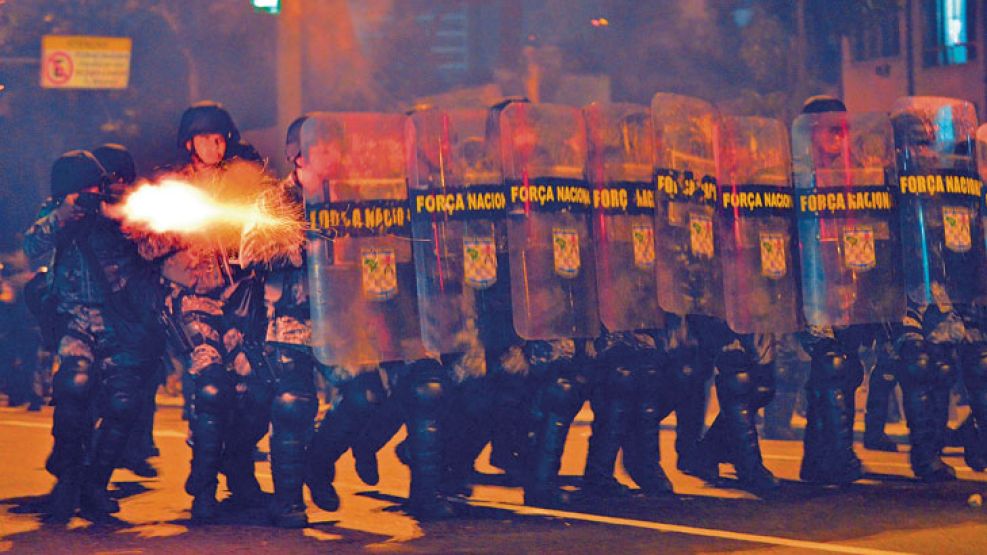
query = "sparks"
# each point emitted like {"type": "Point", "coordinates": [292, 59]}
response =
{"type": "Point", "coordinates": [174, 206]}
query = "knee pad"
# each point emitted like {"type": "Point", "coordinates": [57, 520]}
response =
{"type": "Point", "coordinates": [427, 394]}
{"type": "Point", "coordinates": [72, 381]}
{"type": "Point", "coordinates": [944, 370]}
{"type": "Point", "coordinates": [916, 364]}
{"type": "Point", "coordinates": [620, 381]}
{"type": "Point", "coordinates": [293, 410]}
{"type": "Point", "coordinates": [212, 396]}
{"type": "Point", "coordinates": [854, 370]}
{"type": "Point", "coordinates": [687, 369]}
{"type": "Point", "coordinates": [734, 378]}
{"type": "Point", "coordinates": [560, 396]}
{"type": "Point", "coordinates": [764, 385]}
{"type": "Point", "coordinates": [828, 369]}
{"type": "Point", "coordinates": [975, 368]}
{"type": "Point", "coordinates": [363, 393]}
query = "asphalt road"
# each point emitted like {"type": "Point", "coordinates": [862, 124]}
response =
{"type": "Point", "coordinates": [887, 512]}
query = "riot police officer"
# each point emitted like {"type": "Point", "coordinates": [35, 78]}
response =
{"type": "Point", "coordinates": [103, 293]}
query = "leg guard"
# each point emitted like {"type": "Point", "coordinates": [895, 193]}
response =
{"type": "Point", "coordinates": [511, 413]}
{"type": "Point", "coordinates": [737, 392]}
{"type": "Point", "coordinates": [358, 399]}
{"type": "Point", "coordinates": [422, 396]}
{"type": "Point", "coordinates": [975, 380]}
{"type": "Point", "coordinates": [383, 425]}
{"type": "Point", "coordinates": [466, 428]}
{"type": "Point", "coordinates": [880, 386]}
{"type": "Point", "coordinates": [72, 426]}
{"type": "Point", "coordinates": [555, 407]}
{"type": "Point", "coordinates": [642, 449]}
{"type": "Point", "coordinates": [828, 456]}
{"type": "Point", "coordinates": [292, 415]}
{"type": "Point", "coordinates": [917, 384]}
{"type": "Point", "coordinates": [212, 404]}
{"type": "Point", "coordinates": [610, 402]}
{"type": "Point", "coordinates": [690, 372]}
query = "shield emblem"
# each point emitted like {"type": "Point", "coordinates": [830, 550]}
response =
{"type": "Point", "coordinates": [701, 235]}
{"type": "Point", "coordinates": [380, 273]}
{"type": "Point", "coordinates": [644, 246]}
{"type": "Point", "coordinates": [479, 261]}
{"type": "Point", "coordinates": [956, 227]}
{"type": "Point", "coordinates": [773, 263]}
{"type": "Point", "coordinates": [565, 244]}
{"type": "Point", "coordinates": [858, 248]}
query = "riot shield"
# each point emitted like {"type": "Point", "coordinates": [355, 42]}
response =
{"type": "Point", "coordinates": [843, 165]}
{"type": "Point", "coordinates": [938, 192]}
{"type": "Point", "coordinates": [457, 214]}
{"type": "Point", "coordinates": [553, 283]}
{"type": "Point", "coordinates": [689, 276]}
{"type": "Point", "coordinates": [619, 171]}
{"type": "Point", "coordinates": [754, 224]}
{"type": "Point", "coordinates": [361, 277]}
{"type": "Point", "coordinates": [982, 168]}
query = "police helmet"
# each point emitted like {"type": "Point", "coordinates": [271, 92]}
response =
{"type": "Point", "coordinates": [117, 162]}
{"type": "Point", "coordinates": [823, 103]}
{"type": "Point", "coordinates": [74, 171]}
{"type": "Point", "coordinates": [207, 117]}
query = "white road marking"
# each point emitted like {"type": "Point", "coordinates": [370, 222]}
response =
{"type": "Point", "coordinates": [687, 530]}
{"type": "Point", "coordinates": [47, 426]}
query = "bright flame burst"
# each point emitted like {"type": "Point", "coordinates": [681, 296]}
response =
{"type": "Point", "coordinates": [174, 206]}
{"type": "Point", "coordinates": [249, 219]}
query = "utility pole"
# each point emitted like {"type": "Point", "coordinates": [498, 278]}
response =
{"type": "Point", "coordinates": [289, 68]}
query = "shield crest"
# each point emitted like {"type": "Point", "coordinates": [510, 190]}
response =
{"type": "Point", "coordinates": [380, 275]}
{"type": "Point", "coordinates": [956, 227]}
{"type": "Point", "coordinates": [858, 248]}
{"type": "Point", "coordinates": [773, 263]}
{"type": "Point", "coordinates": [701, 234]}
{"type": "Point", "coordinates": [565, 245]}
{"type": "Point", "coordinates": [479, 261]}
{"type": "Point", "coordinates": [644, 246]}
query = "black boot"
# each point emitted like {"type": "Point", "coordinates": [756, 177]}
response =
{"type": "Point", "coordinates": [359, 398]}
{"type": "Point", "coordinates": [64, 498]}
{"type": "Point", "coordinates": [879, 390]}
{"type": "Point", "coordinates": [557, 406]}
{"type": "Point", "coordinates": [292, 417]}
{"type": "Point", "coordinates": [94, 502]}
{"type": "Point", "coordinates": [641, 445]}
{"type": "Point", "coordinates": [610, 403]}
{"type": "Point", "coordinates": [383, 425]}
{"type": "Point", "coordinates": [423, 405]}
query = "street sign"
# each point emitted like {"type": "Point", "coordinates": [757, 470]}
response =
{"type": "Point", "coordinates": [85, 62]}
{"type": "Point", "coordinates": [269, 6]}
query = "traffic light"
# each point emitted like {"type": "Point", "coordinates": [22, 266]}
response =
{"type": "Point", "coordinates": [269, 6]}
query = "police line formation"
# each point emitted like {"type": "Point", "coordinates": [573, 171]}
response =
{"type": "Point", "coordinates": [476, 275]}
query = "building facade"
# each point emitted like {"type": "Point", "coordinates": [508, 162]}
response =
{"type": "Point", "coordinates": [928, 48]}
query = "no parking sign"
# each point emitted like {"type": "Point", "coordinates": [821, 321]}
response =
{"type": "Point", "coordinates": [84, 62]}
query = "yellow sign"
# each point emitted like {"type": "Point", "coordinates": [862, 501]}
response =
{"type": "Point", "coordinates": [84, 62]}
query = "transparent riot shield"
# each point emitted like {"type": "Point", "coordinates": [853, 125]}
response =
{"type": "Point", "coordinates": [688, 272]}
{"type": "Point", "coordinates": [361, 277]}
{"type": "Point", "coordinates": [982, 168]}
{"type": "Point", "coordinates": [938, 194]}
{"type": "Point", "coordinates": [754, 224]}
{"type": "Point", "coordinates": [843, 167]}
{"type": "Point", "coordinates": [553, 283]}
{"type": "Point", "coordinates": [457, 213]}
{"type": "Point", "coordinates": [619, 171]}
